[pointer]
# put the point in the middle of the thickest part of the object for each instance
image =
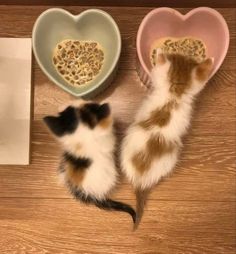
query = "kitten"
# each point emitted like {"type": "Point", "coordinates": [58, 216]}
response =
{"type": "Point", "coordinates": [151, 146]}
{"type": "Point", "coordinates": [85, 130]}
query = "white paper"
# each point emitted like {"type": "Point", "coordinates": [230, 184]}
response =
{"type": "Point", "coordinates": [15, 97]}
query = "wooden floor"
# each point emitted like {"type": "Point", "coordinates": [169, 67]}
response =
{"type": "Point", "coordinates": [193, 211]}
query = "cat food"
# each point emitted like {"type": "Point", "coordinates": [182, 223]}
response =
{"type": "Point", "coordinates": [78, 62]}
{"type": "Point", "coordinates": [186, 46]}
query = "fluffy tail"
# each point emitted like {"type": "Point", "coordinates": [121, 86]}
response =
{"type": "Point", "coordinates": [106, 204]}
{"type": "Point", "coordinates": [141, 198]}
{"type": "Point", "coordinates": [112, 205]}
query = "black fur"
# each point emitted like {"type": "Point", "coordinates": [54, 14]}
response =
{"type": "Point", "coordinates": [101, 111]}
{"type": "Point", "coordinates": [106, 204]}
{"type": "Point", "coordinates": [92, 113]}
{"type": "Point", "coordinates": [88, 118]}
{"type": "Point", "coordinates": [65, 123]}
{"type": "Point", "coordinates": [110, 204]}
{"type": "Point", "coordinates": [77, 162]}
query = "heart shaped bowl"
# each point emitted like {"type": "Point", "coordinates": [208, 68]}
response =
{"type": "Point", "coordinates": [55, 25]}
{"type": "Point", "coordinates": [204, 23]}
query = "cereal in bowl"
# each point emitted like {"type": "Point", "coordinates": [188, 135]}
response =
{"type": "Point", "coordinates": [186, 46]}
{"type": "Point", "coordinates": [78, 62]}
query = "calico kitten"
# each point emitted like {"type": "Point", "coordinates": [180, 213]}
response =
{"type": "Point", "coordinates": [150, 148]}
{"type": "Point", "coordinates": [85, 130]}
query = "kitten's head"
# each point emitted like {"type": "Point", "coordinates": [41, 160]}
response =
{"type": "Point", "coordinates": [79, 118]}
{"type": "Point", "coordinates": [181, 74]}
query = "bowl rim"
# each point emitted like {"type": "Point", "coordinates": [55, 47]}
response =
{"type": "Point", "coordinates": [76, 18]}
{"type": "Point", "coordinates": [183, 17]}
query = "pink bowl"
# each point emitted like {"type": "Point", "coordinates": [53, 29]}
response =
{"type": "Point", "coordinates": [204, 23]}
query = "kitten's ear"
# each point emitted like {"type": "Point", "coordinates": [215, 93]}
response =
{"type": "Point", "coordinates": [53, 123]}
{"type": "Point", "coordinates": [160, 57]}
{"type": "Point", "coordinates": [204, 69]}
{"type": "Point", "coordinates": [65, 123]}
{"type": "Point", "coordinates": [104, 110]}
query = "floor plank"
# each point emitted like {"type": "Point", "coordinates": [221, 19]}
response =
{"type": "Point", "coordinates": [134, 3]}
{"type": "Point", "coordinates": [211, 107]}
{"type": "Point", "coordinates": [29, 226]}
{"type": "Point", "coordinates": [205, 164]}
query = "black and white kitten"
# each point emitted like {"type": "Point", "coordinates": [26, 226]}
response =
{"type": "Point", "coordinates": [85, 130]}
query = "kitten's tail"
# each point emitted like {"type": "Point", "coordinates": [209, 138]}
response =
{"type": "Point", "coordinates": [109, 204]}
{"type": "Point", "coordinates": [106, 204]}
{"type": "Point", "coordinates": [141, 198]}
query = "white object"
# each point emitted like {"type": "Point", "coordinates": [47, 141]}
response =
{"type": "Point", "coordinates": [15, 97]}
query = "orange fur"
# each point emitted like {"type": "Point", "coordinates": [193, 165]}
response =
{"type": "Point", "coordinates": [156, 147]}
{"type": "Point", "coordinates": [105, 123]}
{"type": "Point", "coordinates": [160, 117]}
{"type": "Point", "coordinates": [203, 70]}
{"type": "Point", "coordinates": [75, 176]}
{"type": "Point", "coordinates": [78, 147]}
{"type": "Point", "coordinates": [180, 73]}
{"type": "Point", "coordinates": [161, 59]}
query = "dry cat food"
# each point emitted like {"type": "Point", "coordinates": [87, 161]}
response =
{"type": "Point", "coordinates": [78, 62]}
{"type": "Point", "coordinates": [187, 46]}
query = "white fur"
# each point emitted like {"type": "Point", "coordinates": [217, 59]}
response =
{"type": "Point", "coordinates": [136, 137]}
{"type": "Point", "coordinates": [98, 145]}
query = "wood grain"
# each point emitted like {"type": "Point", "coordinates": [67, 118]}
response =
{"type": "Point", "coordinates": [144, 3]}
{"type": "Point", "coordinates": [198, 176]}
{"type": "Point", "coordinates": [80, 229]}
{"type": "Point", "coordinates": [210, 108]}
{"type": "Point", "coordinates": [192, 211]}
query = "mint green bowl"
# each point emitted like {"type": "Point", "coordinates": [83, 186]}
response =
{"type": "Point", "coordinates": [55, 25]}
